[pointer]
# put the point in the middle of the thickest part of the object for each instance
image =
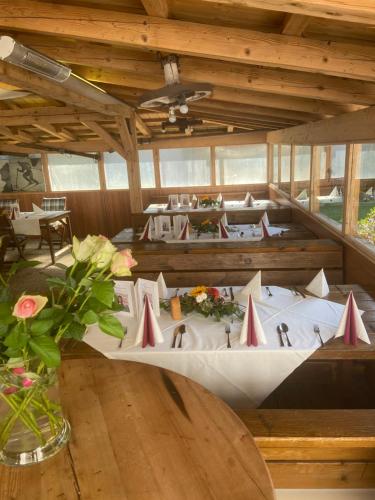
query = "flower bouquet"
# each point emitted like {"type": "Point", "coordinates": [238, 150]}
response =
{"type": "Point", "coordinates": [32, 328]}
{"type": "Point", "coordinates": [208, 302]}
{"type": "Point", "coordinates": [208, 202]}
{"type": "Point", "coordinates": [206, 226]}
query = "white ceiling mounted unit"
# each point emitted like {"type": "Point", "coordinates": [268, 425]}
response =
{"type": "Point", "coordinates": [175, 95]}
{"type": "Point", "coordinates": [13, 52]}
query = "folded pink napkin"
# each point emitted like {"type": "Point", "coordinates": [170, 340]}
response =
{"type": "Point", "coordinates": [264, 230]}
{"type": "Point", "coordinates": [223, 233]}
{"type": "Point", "coordinates": [146, 235]}
{"type": "Point", "coordinates": [148, 330]}
{"type": "Point", "coordinates": [351, 326]}
{"type": "Point", "coordinates": [13, 214]}
{"type": "Point", "coordinates": [184, 235]}
{"type": "Point", "coordinates": [169, 205]}
{"type": "Point", "coordinates": [196, 203]}
{"type": "Point", "coordinates": [252, 338]}
{"type": "Point", "coordinates": [252, 333]}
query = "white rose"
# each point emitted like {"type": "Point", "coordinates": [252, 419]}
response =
{"type": "Point", "coordinates": [103, 255]}
{"type": "Point", "coordinates": [201, 297]}
{"type": "Point", "coordinates": [82, 250]}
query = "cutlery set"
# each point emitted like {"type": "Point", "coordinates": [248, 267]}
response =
{"type": "Point", "coordinates": [283, 328]}
{"type": "Point", "coordinates": [181, 329]}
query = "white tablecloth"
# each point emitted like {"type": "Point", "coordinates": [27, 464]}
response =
{"type": "Point", "coordinates": [242, 376]}
{"type": "Point", "coordinates": [28, 223]}
{"type": "Point", "coordinates": [228, 205]}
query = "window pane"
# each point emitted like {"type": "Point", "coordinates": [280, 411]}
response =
{"type": "Point", "coordinates": [116, 171]}
{"type": "Point", "coordinates": [275, 164]}
{"type": "Point", "coordinates": [302, 169]}
{"type": "Point", "coordinates": [285, 168]}
{"type": "Point", "coordinates": [73, 172]}
{"type": "Point", "coordinates": [185, 167]}
{"type": "Point", "coordinates": [329, 202]}
{"type": "Point", "coordinates": [146, 168]}
{"type": "Point", "coordinates": [366, 194]}
{"type": "Point", "coordinates": [241, 164]}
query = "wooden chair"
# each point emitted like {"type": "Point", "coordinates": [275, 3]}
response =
{"type": "Point", "coordinates": [58, 229]}
{"type": "Point", "coordinates": [4, 240]}
{"type": "Point", "coordinates": [14, 240]}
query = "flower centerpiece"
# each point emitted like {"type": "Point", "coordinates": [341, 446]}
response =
{"type": "Point", "coordinates": [206, 226]}
{"type": "Point", "coordinates": [32, 329]}
{"type": "Point", "coordinates": [208, 202]}
{"type": "Point", "coordinates": [207, 301]}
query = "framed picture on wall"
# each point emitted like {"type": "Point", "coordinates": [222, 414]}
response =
{"type": "Point", "coordinates": [23, 173]}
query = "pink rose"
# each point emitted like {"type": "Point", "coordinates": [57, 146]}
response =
{"type": "Point", "coordinates": [10, 390]}
{"type": "Point", "coordinates": [122, 262]}
{"type": "Point", "coordinates": [18, 371]}
{"type": "Point", "coordinates": [29, 306]}
{"type": "Point", "coordinates": [27, 382]}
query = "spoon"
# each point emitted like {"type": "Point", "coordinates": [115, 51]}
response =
{"type": "Point", "coordinates": [284, 328]}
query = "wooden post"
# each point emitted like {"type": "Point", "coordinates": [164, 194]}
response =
{"type": "Point", "coordinates": [47, 180]}
{"type": "Point", "coordinates": [328, 168]}
{"type": "Point", "coordinates": [103, 185]}
{"type": "Point", "coordinates": [279, 164]}
{"type": "Point", "coordinates": [156, 159]}
{"type": "Point", "coordinates": [351, 188]}
{"type": "Point", "coordinates": [269, 163]}
{"type": "Point", "coordinates": [314, 179]}
{"type": "Point", "coordinates": [292, 168]}
{"type": "Point", "coordinates": [128, 136]}
{"type": "Point", "coordinates": [213, 165]}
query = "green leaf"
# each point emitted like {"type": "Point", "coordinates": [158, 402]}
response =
{"type": "Point", "coordinates": [56, 282]}
{"type": "Point", "coordinates": [86, 282]}
{"type": "Point", "coordinates": [48, 351]}
{"type": "Point", "coordinates": [11, 352]}
{"type": "Point", "coordinates": [75, 331]}
{"type": "Point", "coordinates": [104, 292]}
{"type": "Point", "coordinates": [41, 326]}
{"type": "Point", "coordinates": [111, 326]}
{"type": "Point", "coordinates": [55, 313]}
{"type": "Point", "coordinates": [6, 317]}
{"type": "Point", "coordinates": [95, 305]}
{"type": "Point", "coordinates": [89, 318]}
{"type": "Point", "coordinates": [3, 329]}
{"type": "Point", "coordinates": [5, 295]}
{"type": "Point", "coordinates": [17, 338]}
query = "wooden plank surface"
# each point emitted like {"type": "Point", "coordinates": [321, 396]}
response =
{"type": "Point", "coordinates": [139, 431]}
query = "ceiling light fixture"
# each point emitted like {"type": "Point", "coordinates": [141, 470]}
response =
{"type": "Point", "coordinates": [19, 55]}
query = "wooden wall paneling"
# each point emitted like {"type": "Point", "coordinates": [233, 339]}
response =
{"type": "Point", "coordinates": [351, 188]}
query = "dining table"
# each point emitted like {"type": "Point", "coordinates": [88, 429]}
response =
{"type": "Point", "coordinates": [140, 432]}
{"type": "Point", "coordinates": [228, 205]}
{"type": "Point", "coordinates": [242, 376]}
{"type": "Point", "coordinates": [34, 224]}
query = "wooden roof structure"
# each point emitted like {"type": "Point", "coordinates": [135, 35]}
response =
{"type": "Point", "coordinates": [273, 65]}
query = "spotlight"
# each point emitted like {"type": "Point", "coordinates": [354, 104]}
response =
{"type": "Point", "coordinates": [184, 109]}
{"type": "Point", "coordinates": [172, 115]}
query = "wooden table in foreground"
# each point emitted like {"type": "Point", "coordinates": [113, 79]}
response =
{"type": "Point", "coordinates": [141, 432]}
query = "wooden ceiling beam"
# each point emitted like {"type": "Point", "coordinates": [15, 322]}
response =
{"type": "Point", "coordinates": [355, 127]}
{"type": "Point", "coordinates": [51, 130]}
{"type": "Point", "coordinates": [307, 88]}
{"type": "Point", "coordinates": [105, 136]}
{"type": "Point", "coordinates": [72, 147]}
{"type": "Point", "coordinates": [19, 136]}
{"type": "Point", "coordinates": [295, 24]}
{"type": "Point", "coordinates": [26, 119]}
{"type": "Point", "coordinates": [360, 11]}
{"type": "Point", "coordinates": [157, 8]}
{"type": "Point", "coordinates": [142, 127]}
{"type": "Point", "coordinates": [195, 39]}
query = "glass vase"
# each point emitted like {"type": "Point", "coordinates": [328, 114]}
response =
{"type": "Point", "coordinates": [32, 426]}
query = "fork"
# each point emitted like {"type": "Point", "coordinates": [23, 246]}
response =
{"type": "Point", "coordinates": [227, 331]}
{"type": "Point", "coordinates": [268, 291]}
{"type": "Point", "coordinates": [317, 331]}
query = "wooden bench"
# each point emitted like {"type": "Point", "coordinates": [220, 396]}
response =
{"type": "Point", "coordinates": [216, 264]}
{"type": "Point", "coordinates": [316, 448]}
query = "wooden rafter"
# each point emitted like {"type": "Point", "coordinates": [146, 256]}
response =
{"type": "Point", "coordinates": [218, 42]}
{"type": "Point", "coordinates": [142, 127]}
{"type": "Point", "coordinates": [106, 136]}
{"type": "Point", "coordinates": [157, 8]}
{"type": "Point", "coordinates": [295, 24]}
{"type": "Point", "coordinates": [344, 10]}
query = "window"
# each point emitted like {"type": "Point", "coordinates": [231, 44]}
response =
{"type": "Point", "coordinates": [116, 171]}
{"type": "Point", "coordinates": [146, 168]}
{"type": "Point", "coordinates": [330, 198]}
{"type": "Point", "coordinates": [302, 172]}
{"type": "Point", "coordinates": [73, 172]}
{"type": "Point", "coordinates": [275, 176]}
{"type": "Point", "coordinates": [185, 167]}
{"type": "Point", "coordinates": [285, 168]}
{"type": "Point", "coordinates": [241, 164]}
{"type": "Point", "coordinates": [364, 187]}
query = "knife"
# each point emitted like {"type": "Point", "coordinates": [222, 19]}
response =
{"type": "Point", "coordinates": [175, 333]}
{"type": "Point", "coordinates": [231, 293]}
